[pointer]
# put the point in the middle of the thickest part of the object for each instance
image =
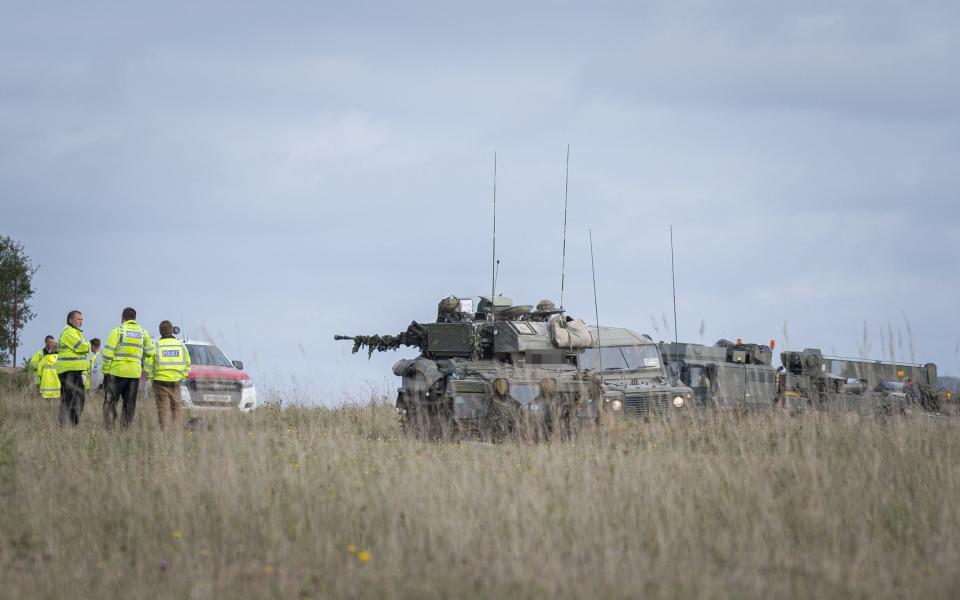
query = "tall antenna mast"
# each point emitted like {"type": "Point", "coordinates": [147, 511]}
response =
{"type": "Point", "coordinates": [673, 279]}
{"type": "Point", "coordinates": [493, 260]}
{"type": "Point", "coordinates": [596, 312]}
{"type": "Point", "coordinates": [566, 189]}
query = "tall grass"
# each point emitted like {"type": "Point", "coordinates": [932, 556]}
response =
{"type": "Point", "coordinates": [288, 503]}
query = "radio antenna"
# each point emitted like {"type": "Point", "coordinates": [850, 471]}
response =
{"type": "Point", "coordinates": [496, 276]}
{"type": "Point", "coordinates": [596, 313]}
{"type": "Point", "coordinates": [676, 335]}
{"type": "Point", "coordinates": [493, 260]}
{"type": "Point", "coordinates": [566, 189]}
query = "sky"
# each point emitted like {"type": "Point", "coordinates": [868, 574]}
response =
{"type": "Point", "coordinates": [268, 175]}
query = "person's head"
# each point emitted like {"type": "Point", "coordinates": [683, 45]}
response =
{"type": "Point", "coordinates": [166, 328]}
{"type": "Point", "coordinates": [95, 345]}
{"type": "Point", "coordinates": [128, 314]}
{"type": "Point", "coordinates": [50, 343]}
{"type": "Point", "coordinates": [75, 318]}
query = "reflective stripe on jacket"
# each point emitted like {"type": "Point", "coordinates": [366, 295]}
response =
{"type": "Point", "coordinates": [34, 365]}
{"type": "Point", "coordinates": [72, 349]}
{"type": "Point", "coordinates": [170, 362]}
{"type": "Point", "coordinates": [125, 349]}
{"type": "Point", "coordinates": [47, 375]}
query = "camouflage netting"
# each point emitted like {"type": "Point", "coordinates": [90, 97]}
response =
{"type": "Point", "coordinates": [413, 336]}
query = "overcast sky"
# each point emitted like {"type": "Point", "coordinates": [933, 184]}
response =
{"type": "Point", "coordinates": [271, 174]}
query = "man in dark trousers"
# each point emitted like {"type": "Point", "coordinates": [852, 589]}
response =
{"type": "Point", "coordinates": [71, 362]}
{"type": "Point", "coordinates": [123, 355]}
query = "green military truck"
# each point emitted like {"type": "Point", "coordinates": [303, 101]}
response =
{"type": "Point", "coordinates": [726, 375]}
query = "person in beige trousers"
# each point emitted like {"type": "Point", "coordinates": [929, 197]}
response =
{"type": "Point", "coordinates": [167, 368]}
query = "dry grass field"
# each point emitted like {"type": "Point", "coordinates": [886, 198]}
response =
{"type": "Point", "coordinates": [336, 503]}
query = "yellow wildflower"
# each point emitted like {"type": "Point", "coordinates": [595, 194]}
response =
{"type": "Point", "coordinates": [352, 549]}
{"type": "Point", "coordinates": [364, 556]}
{"type": "Point", "coordinates": [177, 534]}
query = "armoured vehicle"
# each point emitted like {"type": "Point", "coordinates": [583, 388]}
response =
{"type": "Point", "coordinates": [740, 376]}
{"type": "Point", "coordinates": [726, 375]}
{"type": "Point", "coordinates": [857, 385]}
{"type": "Point", "coordinates": [634, 377]}
{"type": "Point", "coordinates": [492, 369]}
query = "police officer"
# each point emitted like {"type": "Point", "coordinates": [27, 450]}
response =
{"type": "Point", "coordinates": [49, 346]}
{"type": "Point", "coordinates": [169, 366]}
{"type": "Point", "coordinates": [47, 379]}
{"type": "Point", "coordinates": [72, 352]}
{"type": "Point", "coordinates": [123, 355]}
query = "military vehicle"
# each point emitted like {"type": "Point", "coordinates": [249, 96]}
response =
{"type": "Point", "coordinates": [857, 385]}
{"type": "Point", "coordinates": [740, 376]}
{"type": "Point", "coordinates": [635, 380]}
{"type": "Point", "coordinates": [491, 369]}
{"type": "Point", "coordinates": [726, 375]}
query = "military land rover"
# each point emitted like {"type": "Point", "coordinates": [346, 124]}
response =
{"type": "Point", "coordinates": [634, 377]}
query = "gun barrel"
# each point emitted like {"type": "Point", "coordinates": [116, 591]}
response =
{"type": "Point", "coordinates": [342, 337]}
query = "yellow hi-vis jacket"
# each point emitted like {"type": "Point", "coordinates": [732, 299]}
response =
{"type": "Point", "coordinates": [34, 364]}
{"type": "Point", "coordinates": [86, 372]}
{"type": "Point", "coordinates": [72, 350]}
{"type": "Point", "coordinates": [125, 349]}
{"type": "Point", "coordinates": [47, 373]}
{"type": "Point", "coordinates": [170, 362]}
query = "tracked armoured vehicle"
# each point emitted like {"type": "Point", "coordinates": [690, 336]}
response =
{"type": "Point", "coordinates": [488, 368]}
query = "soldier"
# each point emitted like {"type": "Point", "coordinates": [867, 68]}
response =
{"type": "Point", "coordinates": [911, 392]}
{"type": "Point", "coordinates": [123, 355]}
{"type": "Point", "coordinates": [545, 309]}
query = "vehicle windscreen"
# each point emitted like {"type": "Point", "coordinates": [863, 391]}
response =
{"type": "Point", "coordinates": [207, 355]}
{"type": "Point", "coordinates": [624, 358]}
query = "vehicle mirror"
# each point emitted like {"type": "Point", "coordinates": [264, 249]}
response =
{"type": "Point", "coordinates": [238, 364]}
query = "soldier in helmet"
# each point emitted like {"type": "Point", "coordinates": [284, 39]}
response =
{"type": "Point", "coordinates": [447, 309]}
{"type": "Point", "coordinates": [545, 309]}
{"type": "Point", "coordinates": [911, 392]}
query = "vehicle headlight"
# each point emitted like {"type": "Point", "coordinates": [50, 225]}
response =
{"type": "Point", "coordinates": [247, 383]}
{"type": "Point", "coordinates": [616, 406]}
{"type": "Point", "coordinates": [678, 401]}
